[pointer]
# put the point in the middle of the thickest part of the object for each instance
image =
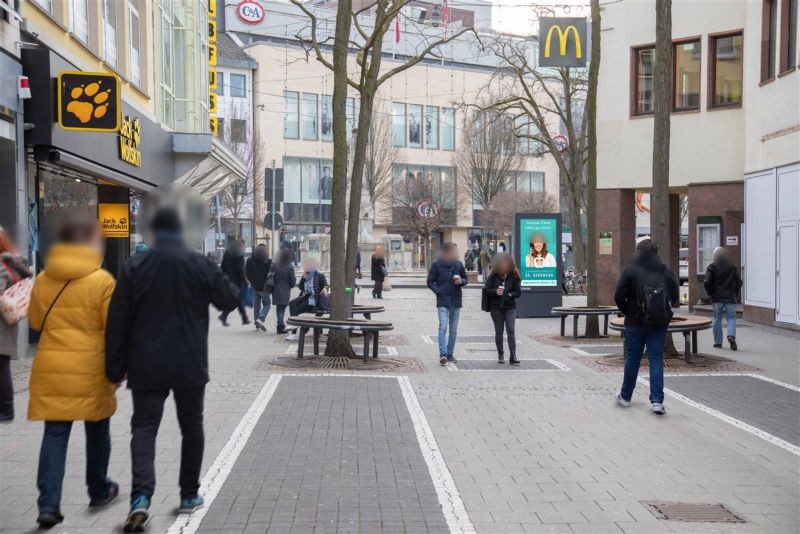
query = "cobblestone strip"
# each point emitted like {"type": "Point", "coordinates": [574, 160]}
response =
{"type": "Point", "coordinates": [452, 506]}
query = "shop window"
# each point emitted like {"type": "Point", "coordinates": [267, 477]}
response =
{"type": "Point", "coordinates": [788, 52]}
{"type": "Point", "coordinates": [686, 75]}
{"type": "Point", "coordinates": [110, 32]}
{"type": "Point", "coordinates": [238, 83]}
{"type": "Point", "coordinates": [238, 131]}
{"type": "Point", "coordinates": [220, 82]}
{"type": "Point", "coordinates": [221, 129]}
{"type": "Point", "coordinates": [769, 37]}
{"type": "Point", "coordinates": [307, 181]}
{"type": "Point", "coordinates": [726, 70]}
{"type": "Point", "coordinates": [79, 20]}
{"type": "Point", "coordinates": [326, 118]}
{"type": "Point", "coordinates": [643, 80]}
{"type": "Point", "coordinates": [448, 122]}
{"type": "Point", "coordinates": [291, 115]}
{"type": "Point", "coordinates": [415, 126]}
{"type": "Point", "coordinates": [708, 238]}
{"type": "Point", "coordinates": [308, 108]}
{"type": "Point", "coordinates": [432, 127]}
{"type": "Point", "coordinates": [134, 42]}
{"type": "Point", "coordinates": [398, 124]}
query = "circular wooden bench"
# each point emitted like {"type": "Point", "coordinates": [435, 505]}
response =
{"type": "Point", "coordinates": [357, 309]}
{"type": "Point", "coordinates": [368, 327]}
{"type": "Point", "coordinates": [688, 325]}
{"type": "Point", "coordinates": [577, 311]}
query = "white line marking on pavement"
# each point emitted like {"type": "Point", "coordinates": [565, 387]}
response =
{"type": "Point", "coordinates": [453, 508]}
{"type": "Point", "coordinates": [766, 436]}
{"type": "Point", "coordinates": [223, 464]}
{"type": "Point", "coordinates": [584, 353]}
{"type": "Point", "coordinates": [559, 366]}
{"type": "Point", "coordinates": [751, 375]}
{"type": "Point", "coordinates": [427, 339]}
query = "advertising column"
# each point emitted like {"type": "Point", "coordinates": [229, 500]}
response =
{"type": "Point", "coordinates": [538, 240]}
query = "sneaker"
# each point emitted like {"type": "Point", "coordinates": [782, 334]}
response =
{"type": "Point", "coordinates": [621, 401]}
{"type": "Point", "coordinates": [191, 505]}
{"type": "Point", "coordinates": [292, 337]}
{"type": "Point", "coordinates": [113, 493]}
{"type": "Point", "coordinates": [717, 345]}
{"type": "Point", "coordinates": [451, 358]}
{"type": "Point", "coordinates": [138, 516]}
{"type": "Point", "coordinates": [282, 331]}
{"type": "Point", "coordinates": [658, 408]}
{"type": "Point", "coordinates": [260, 325]}
{"type": "Point", "coordinates": [732, 341]}
{"type": "Point", "coordinates": [49, 519]}
{"type": "Point", "coordinates": [443, 359]}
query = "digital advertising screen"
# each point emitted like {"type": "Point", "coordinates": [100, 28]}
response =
{"type": "Point", "coordinates": [539, 249]}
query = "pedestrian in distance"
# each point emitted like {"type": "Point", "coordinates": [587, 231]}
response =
{"type": "Point", "coordinates": [13, 270]}
{"type": "Point", "coordinates": [233, 267]}
{"type": "Point", "coordinates": [723, 284]}
{"type": "Point", "coordinates": [257, 269]}
{"type": "Point", "coordinates": [314, 292]}
{"type": "Point", "coordinates": [69, 307]}
{"type": "Point", "coordinates": [645, 294]}
{"type": "Point", "coordinates": [358, 275]}
{"type": "Point", "coordinates": [446, 278]}
{"type": "Point", "coordinates": [485, 261]}
{"type": "Point", "coordinates": [378, 272]}
{"type": "Point", "coordinates": [285, 280]}
{"type": "Point", "coordinates": [500, 294]}
{"type": "Point", "coordinates": [157, 337]}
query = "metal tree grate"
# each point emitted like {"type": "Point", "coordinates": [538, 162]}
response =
{"type": "Point", "coordinates": [693, 512]}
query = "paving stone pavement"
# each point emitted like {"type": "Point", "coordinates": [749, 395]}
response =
{"type": "Point", "coordinates": [528, 452]}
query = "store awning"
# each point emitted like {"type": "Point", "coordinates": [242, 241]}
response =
{"type": "Point", "coordinates": [218, 168]}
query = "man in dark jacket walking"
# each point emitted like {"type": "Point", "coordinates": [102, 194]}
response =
{"type": "Point", "coordinates": [285, 280]}
{"type": "Point", "coordinates": [645, 294]}
{"type": "Point", "coordinates": [257, 268]}
{"type": "Point", "coordinates": [233, 267]}
{"type": "Point", "coordinates": [723, 283]}
{"type": "Point", "coordinates": [157, 337]}
{"type": "Point", "coordinates": [446, 278]}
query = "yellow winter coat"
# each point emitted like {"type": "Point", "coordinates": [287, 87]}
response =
{"type": "Point", "coordinates": [68, 380]}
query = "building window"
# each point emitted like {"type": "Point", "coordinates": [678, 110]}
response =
{"type": "Point", "coordinates": [398, 124]}
{"type": "Point", "coordinates": [308, 109]}
{"type": "Point", "coordinates": [436, 183]}
{"type": "Point", "coordinates": [238, 131]}
{"type": "Point", "coordinates": [432, 127]}
{"type": "Point", "coordinates": [708, 238]}
{"type": "Point", "coordinates": [220, 82]}
{"type": "Point", "coordinates": [643, 80]}
{"type": "Point", "coordinates": [221, 129]}
{"type": "Point", "coordinates": [415, 126]}
{"type": "Point", "coordinates": [686, 75]}
{"type": "Point", "coordinates": [308, 181]}
{"type": "Point", "coordinates": [291, 115]}
{"type": "Point", "coordinates": [326, 118]}
{"type": "Point", "coordinates": [110, 32]}
{"type": "Point", "coordinates": [238, 83]}
{"type": "Point", "coordinates": [726, 70]}
{"type": "Point", "coordinates": [79, 20]}
{"type": "Point", "coordinates": [353, 106]}
{"type": "Point", "coordinates": [47, 5]}
{"type": "Point", "coordinates": [788, 34]}
{"type": "Point", "coordinates": [448, 122]}
{"type": "Point", "coordinates": [769, 36]}
{"type": "Point", "coordinates": [135, 43]}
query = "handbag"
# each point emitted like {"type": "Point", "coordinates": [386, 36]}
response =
{"type": "Point", "coordinates": [387, 284]}
{"type": "Point", "coordinates": [269, 284]}
{"type": "Point", "coordinates": [247, 296]}
{"type": "Point", "coordinates": [16, 298]}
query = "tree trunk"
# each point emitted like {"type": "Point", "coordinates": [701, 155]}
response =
{"type": "Point", "coordinates": [592, 323]}
{"type": "Point", "coordinates": [662, 100]}
{"type": "Point", "coordinates": [579, 260]}
{"type": "Point", "coordinates": [339, 340]}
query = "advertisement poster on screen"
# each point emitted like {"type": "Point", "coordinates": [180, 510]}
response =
{"type": "Point", "coordinates": [539, 256]}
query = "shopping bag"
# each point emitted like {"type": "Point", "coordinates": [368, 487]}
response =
{"type": "Point", "coordinates": [387, 284]}
{"type": "Point", "coordinates": [14, 301]}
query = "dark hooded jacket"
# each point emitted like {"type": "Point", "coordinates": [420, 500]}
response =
{"type": "Point", "coordinates": [257, 268]}
{"type": "Point", "coordinates": [440, 281]}
{"type": "Point", "coordinates": [233, 266]}
{"type": "Point", "coordinates": [722, 281]}
{"type": "Point", "coordinates": [627, 290]}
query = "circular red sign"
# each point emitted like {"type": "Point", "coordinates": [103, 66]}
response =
{"type": "Point", "coordinates": [427, 209]}
{"type": "Point", "coordinates": [250, 12]}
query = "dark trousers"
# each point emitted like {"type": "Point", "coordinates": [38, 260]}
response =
{"type": "Point", "coordinates": [242, 312]}
{"type": "Point", "coordinates": [636, 339]}
{"type": "Point", "coordinates": [148, 407]}
{"type": "Point", "coordinates": [53, 458]}
{"type": "Point", "coordinates": [377, 289]}
{"type": "Point", "coordinates": [6, 387]}
{"type": "Point", "coordinates": [280, 313]}
{"type": "Point", "coordinates": [504, 319]}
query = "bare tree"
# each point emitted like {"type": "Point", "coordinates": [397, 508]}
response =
{"type": "Point", "coordinates": [505, 205]}
{"type": "Point", "coordinates": [371, 23]}
{"type": "Point", "coordinates": [489, 158]}
{"type": "Point", "coordinates": [543, 102]}
{"type": "Point", "coordinates": [423, 204]}
{"type": "Point", "coordinates": [381, 157]}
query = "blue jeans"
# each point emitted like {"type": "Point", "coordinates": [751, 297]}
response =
{"type": "Point", "coordinates": [730, 311]}
{"type": "Point", "coordinates": [636, 338]}
{"type": "Point", "coordinates": [53, 458]}
{"type": "Point", "coordinates": [280, 312]}
{"type": "Point", "coordinates": [261, 303]}
{"type": "Point", "coordinates": [448, 320]}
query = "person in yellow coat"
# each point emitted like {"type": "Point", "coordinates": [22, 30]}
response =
{"type": "Point", "coordinates": [69, 306]}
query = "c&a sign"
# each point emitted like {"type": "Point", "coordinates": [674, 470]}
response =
{"type": "Point", "coordinates": [563, 42]}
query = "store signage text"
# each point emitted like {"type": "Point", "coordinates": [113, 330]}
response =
{"type": "Point", "coordinates": [114, 219]}
{"type": "Point", "coordinates": [212, 67]}
{"type": "Point", "coordinates": [570, 36]}
{"type": "Point", "coordinates": [250, 12]}
{"type": "Point", "coordinates": [130, 136]}
{"type": "Point", "coordinates": [88, 101]}
{"type": "Point", "coordinates": [427, 209]}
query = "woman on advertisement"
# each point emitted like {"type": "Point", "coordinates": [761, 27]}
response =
{"type": "Point", "coordinates": [539, 257]}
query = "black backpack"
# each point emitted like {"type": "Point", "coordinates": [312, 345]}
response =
{"type": "Point", "coordinates": [653, 306]}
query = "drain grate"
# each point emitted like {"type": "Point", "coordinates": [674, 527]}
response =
{"type": "Point", "coordinates": [693, 512]}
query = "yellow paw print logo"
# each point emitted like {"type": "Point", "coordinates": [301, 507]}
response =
{"type": "Point", "coordinates": [89, 101]}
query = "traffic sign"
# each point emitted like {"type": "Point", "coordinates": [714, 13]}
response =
{"type": "Point", "coordinates": [278, 221]}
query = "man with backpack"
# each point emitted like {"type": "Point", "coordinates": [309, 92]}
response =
{"type": "Point", "coordinates": [645, 294]}
{"type": "Point", "coordinates": [257, 269]}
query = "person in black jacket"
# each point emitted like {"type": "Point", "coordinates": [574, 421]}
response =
{"type": "Point", "coordinates": [446, 278]}
{"type": "Point", "coordinates": [378, 272]}
{"type": "Point", "coordinates": [157, 337]}
{"type": "Point", "coordinates": [645, 294]}
{"type": "Point", "coordinates": [313, 292]}
{"type": "Point", "coordinates": [257, 268]}
{"type": "Point", "coordinates": [723, 283]}
{"type": "Point", "coordinates": [285, 280]}
{"type": "Point", "coordinates": [501, 290]}
{"type": "Point", "coordinates": [233, 267]}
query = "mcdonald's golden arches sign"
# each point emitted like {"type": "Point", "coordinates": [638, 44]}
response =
{"type": "Point", "coordinates": [563, 42]}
